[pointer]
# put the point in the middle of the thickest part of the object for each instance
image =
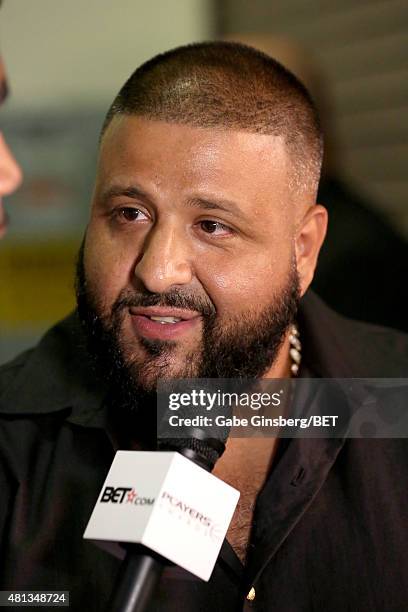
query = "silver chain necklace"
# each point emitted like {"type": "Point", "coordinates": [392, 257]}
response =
{"type": "Point", "coordinates": [295, 350]}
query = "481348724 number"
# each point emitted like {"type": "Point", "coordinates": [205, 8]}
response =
{"type": "Point", "coordinates": [34, 598]}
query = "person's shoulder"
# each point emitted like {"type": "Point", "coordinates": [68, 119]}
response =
{"type": "Point", "coordinates": [383, 348]}
{"type": "Point", "coordinates": [39, 379]}
{"type": "Point", "coordinates": [343, 347]}
{"type": "Point", "coordinates": [10, 370]}
{"type": "Point", "coordinates": [55, 335]}
{"type": "Point", "coordinates": [385, 338]}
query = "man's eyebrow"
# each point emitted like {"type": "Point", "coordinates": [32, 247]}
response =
{"type": "Point", "coordinates": [130, 191]}
{"type": "Point", "coordinates": [224, 205]}
{"type": "Point", "coordinates": [4, 90]}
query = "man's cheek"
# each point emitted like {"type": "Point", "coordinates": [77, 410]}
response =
{"type": "Point", "coordinates": [104, 276]}
{"type": "Point", "coordinates": [233, 291]}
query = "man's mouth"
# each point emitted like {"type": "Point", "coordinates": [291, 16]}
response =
{"type": "Point", "coordinates": [162, 323]}
{"type": "Point", "coordinates": [165, 320]}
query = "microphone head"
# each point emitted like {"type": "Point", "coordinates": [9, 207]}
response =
{"type": "Point", "coordinates": [196, 446]}
{"type": "Point", "coordinates": [192, 429]}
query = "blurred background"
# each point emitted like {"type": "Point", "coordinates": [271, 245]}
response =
{"type": "Point", "coordinates": [67, 60]}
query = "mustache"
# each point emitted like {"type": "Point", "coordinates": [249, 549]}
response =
{"type": "Point", "coordinates": [173, 299]}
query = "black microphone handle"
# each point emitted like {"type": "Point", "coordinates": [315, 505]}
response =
{"type": "Point", "coordinates": [142, 568]}
{"type": "Point", "coordinates": [137, 579]}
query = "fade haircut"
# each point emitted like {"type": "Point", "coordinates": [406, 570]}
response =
{"type": "Point", "coordinates": [226, 85]}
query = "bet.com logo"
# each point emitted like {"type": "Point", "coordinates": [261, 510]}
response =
{"type": "Point", "coordinates": [124, 495]}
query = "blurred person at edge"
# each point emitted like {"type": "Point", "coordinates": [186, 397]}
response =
{"type": "Point", "coordinates": [10, 172]}
{"type": "Point", "coordinates": [351, 271]}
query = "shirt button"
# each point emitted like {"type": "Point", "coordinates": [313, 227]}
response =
{"type": "Point", "coordinates": [251, 595]}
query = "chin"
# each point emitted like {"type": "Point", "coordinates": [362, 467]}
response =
{"type": "Point", "coordinates": [151, 370]}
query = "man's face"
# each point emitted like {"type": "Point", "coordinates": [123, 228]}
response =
{"type": "Point", "coordinates": [10, 173]}
{"type": "Point", "coordinates": [189, 252]}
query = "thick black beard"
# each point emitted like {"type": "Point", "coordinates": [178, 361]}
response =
{"type": "Point", "coordinates": [244, 349]}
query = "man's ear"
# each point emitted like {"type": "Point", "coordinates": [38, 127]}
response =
{"type": "Point", "coordinates": [309, 238]}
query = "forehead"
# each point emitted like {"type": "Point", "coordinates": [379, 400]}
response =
{"type": "Point", "coordinates": [135, 145]}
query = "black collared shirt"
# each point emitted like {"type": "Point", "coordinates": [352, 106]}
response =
{"type": "Point", "coordinates": [330, 525]}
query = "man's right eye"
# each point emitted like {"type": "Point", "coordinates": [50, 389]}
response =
{"type": "Point", "coordinates": [129, 214]}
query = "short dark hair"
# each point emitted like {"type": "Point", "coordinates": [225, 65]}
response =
{"type": "Point", "coordinates": [230, 86]}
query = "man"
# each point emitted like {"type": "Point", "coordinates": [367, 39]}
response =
{"type": "Point", "coordinates": [204, 235]}
{"type": "Point", "coordinates": [10, 173]}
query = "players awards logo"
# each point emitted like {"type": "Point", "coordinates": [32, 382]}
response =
{"type": "Point", "coordinates": [191, 516]}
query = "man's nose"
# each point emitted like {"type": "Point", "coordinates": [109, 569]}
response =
{"type": "Point", "coordinates": [10, 171]}
{"type": "Point", "coordinates": [165, 261]}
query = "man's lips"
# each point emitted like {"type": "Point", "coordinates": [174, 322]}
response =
{"type": "Point", "coordinates": [163, 311]}
{"type": "Point", "coordinates": [163, 323]}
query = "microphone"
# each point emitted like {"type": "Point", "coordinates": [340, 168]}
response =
{"type": "Point", "coordinates": [165, 506]}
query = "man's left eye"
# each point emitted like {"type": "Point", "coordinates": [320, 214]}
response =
{"type": "Point", "coordinates": [215, 228]}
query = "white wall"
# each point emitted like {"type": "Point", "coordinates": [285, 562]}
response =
{"type": "Point", "coordinates": [65, 52]}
